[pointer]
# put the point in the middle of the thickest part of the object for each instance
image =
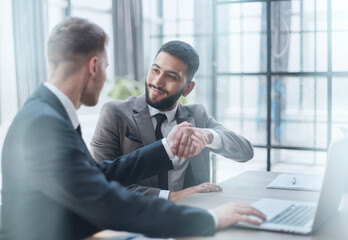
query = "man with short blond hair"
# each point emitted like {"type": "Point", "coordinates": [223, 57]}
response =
{"type": "Point", "coordinates": [53, 188]}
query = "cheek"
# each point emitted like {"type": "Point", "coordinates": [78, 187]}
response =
{"type": "Point", "coordinates": [149, 78]}
{"type": "Point", "coordinates": [175, 87]}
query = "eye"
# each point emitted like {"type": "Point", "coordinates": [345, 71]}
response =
{"type": "Point", "coordinates": [172, 77]}
{"type": "Point", "coordinates": [155, 70]}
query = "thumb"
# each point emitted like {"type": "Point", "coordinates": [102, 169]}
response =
{"type": "Point", "coordinates": [183, 124]}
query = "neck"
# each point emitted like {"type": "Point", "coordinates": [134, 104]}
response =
{"type": "Point", "coordinates": [71, 86]}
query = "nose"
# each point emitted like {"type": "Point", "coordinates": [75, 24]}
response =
{"type": "Point", "coordinates": [159, 80]}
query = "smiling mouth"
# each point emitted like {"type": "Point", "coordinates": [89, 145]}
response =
{"type": "Point", "coordinates": [157, 90]}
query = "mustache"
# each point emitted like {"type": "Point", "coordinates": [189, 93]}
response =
{"type": "Point", "coordinates": [158, 88]}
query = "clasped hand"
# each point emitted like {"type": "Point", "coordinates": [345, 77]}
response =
{"type": "Point", "coordinates": [186, 141]}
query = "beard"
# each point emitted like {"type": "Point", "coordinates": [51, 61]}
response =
{"type": "Point", "coordinates": [165, 103]}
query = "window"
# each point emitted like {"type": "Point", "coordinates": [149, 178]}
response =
{"type": "Point", "coordinates": [280, 74]}
{"type": "Point", "coordinates": [185, 20]}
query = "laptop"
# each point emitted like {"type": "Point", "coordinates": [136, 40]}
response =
{"type": "Point", "coordinates": [305, 217]}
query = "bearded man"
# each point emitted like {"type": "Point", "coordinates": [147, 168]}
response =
{"type": "Point", "coordinates": [125, 126]}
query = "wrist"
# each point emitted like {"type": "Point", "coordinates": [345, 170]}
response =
{"type": "Point", "coordinates": [209, 135]}
{"type": "Point", "coordinates": [167, 148]}
{"type": "Point", "coordinates": [173, 196]}
{"type": "Point", "coordinates": [176, 196]}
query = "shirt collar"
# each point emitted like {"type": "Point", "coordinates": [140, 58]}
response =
{"type": "Point", "coordinates": [66, 102]}
{"type": "Point", "coordinates": [169, 114]}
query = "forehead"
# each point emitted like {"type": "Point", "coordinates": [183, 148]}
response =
{"type": "Point", "coordinates": [168, 62]}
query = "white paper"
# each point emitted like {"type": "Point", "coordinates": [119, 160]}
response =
{"type": "Point", "coordinates": [296, 181]}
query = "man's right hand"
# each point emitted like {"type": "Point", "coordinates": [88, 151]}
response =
{"type": "Point", "coordinates": [231, 213]}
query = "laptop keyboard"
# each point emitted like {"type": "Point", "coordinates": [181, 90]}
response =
{"type": "Point", "coordinates": [295, 215]}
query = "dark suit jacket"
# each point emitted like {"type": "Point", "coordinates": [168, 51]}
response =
{"type": "Point", "coordinates": [53, 189]}
{"type": "Point", "coordinates": [124, 126]}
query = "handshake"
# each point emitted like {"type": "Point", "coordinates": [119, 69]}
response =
{"type": "Point", "coordinates": [186, 141]}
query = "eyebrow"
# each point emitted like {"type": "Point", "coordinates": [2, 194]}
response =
{"type": "Point", "coordinates": [172, 72]}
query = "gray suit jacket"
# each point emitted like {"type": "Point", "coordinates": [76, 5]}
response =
{"type": "Point", "coordinates": [125, 126]}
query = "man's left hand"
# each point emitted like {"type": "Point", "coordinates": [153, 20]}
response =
{"type": "Point", "coordinates": [201, 188]}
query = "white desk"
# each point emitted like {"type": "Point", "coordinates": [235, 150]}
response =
{"type": "Point", "coordinates": [249, 187]}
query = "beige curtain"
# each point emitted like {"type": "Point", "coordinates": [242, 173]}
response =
{"type": "Point", "coordinates": [29, 30]}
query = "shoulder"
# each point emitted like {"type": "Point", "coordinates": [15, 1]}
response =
{"type": "Point", "coordinates": [195, 109]}
{"type": "Point", "coordinates": [38, 120]}
{"type": "Point", "coordinates": [38, 110]}
{"type": "Point", "coordinates": [119, 105]}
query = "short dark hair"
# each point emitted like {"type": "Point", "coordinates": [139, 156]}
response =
{"type": "Point", "coordinates": [75, 39]}
{"type": "Point", "coordinates": [185, 52]}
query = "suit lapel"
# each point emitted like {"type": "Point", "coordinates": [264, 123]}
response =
{"type": "Point", "coordinates": [49, 97]}
{"type": "Point", "coordinates": [143, 121]}
{"type": "Point", "coordinates": [183, 115]}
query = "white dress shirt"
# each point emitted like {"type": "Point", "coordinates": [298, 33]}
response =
{"type": "Point", "coordinates": [67, 104]}
{"type": "Point", "coordinates": [176, 175]}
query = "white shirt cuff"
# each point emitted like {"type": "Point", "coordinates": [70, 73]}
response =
{"type": "Point", "coordinates": [167, 148]}
{"type": "Point", "coordinates": [164, 194]}
{"type": "Point", "coordinates": [216, 143]}
{"type": "Point", "coordinates": [216, 220]}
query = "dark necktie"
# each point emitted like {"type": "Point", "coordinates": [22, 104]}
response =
{"type": "Point", "coordinates": [78, 130]}
{"type": "Point", "coordinates": [160, 119]}
{"type": "Point", "coordinates": [162, 177]}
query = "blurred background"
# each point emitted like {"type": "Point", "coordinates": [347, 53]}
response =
{"type": "Point", "coordinates": [274, 71]}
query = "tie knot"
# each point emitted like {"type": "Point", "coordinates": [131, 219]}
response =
{"type": "Point", "coordinates": [160, 118]}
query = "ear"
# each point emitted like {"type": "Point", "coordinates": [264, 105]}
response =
{"type": "Point", "coordinates": [92, 67]}
{"type": "Point", "coordinates": [189, 88]}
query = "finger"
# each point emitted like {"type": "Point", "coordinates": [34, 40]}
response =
{"type": "Point", "coordinates": [199, 144]}
{"type": "Point", "coordinates": [192, 151]}
{"type": "Point", "coordinates": [213, 186]}
{"type": "Point", "coordinates": [253, 212]}
{"type": "Point", "coordinates": [182, 144]}
{"type": "Point", "coordinates": [197, 148]}
{"type": "Point", "coordinates": [200, 189]}
{"type": "Point", "coordinates": [208, 188]}
{"type": "Point", "coordinates": [256, 212]}
{"type": "Point", "coordinates": [202, 138]}
{"type": "Point", "coordinates": [187, 149]}
{"type": "Point", "coordinates": [183, 124]}
{"type": "Point", "coordinates": [175, 143]}
{"type": "Point", "coordinates": [247, 219]}
{"type": "Point", "coordinates": [199, 140]}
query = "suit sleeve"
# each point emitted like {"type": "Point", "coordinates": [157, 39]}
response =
{"type": "Point", "coordinates": [233, 146]}
{"type": "Point", "coordinates": [105, 144]}
{"type": "Point", "coordinates": [137, 165]}
{"type": "Point", "coordinates": [146, 191]}
{"type": "Point", "coordinates": [58, 167]}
